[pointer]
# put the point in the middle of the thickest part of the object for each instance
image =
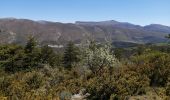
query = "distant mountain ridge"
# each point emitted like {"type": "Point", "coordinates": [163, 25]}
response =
{"type": "Point", "coordinates": [158, 28]}
{"type": "Point", "coordinates": [60, 33]}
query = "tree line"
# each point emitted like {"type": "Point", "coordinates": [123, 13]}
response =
{"type": "Point", "coordinates": [38, 72]}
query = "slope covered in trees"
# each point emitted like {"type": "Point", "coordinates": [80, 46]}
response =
{"type": "Point", "coordinates": [94, 71]}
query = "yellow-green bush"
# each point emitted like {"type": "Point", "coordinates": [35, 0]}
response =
{"type": "Point", "coordinates": [155, 65]}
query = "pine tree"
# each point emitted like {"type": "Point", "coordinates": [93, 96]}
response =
{"type": "Point", "coordinates": [168, 36]}
{"type": "Point", "coordinates": [31, 44]}
{"type": "Point", "coordinates": [48, 56]}
{"type": "Point", "coordinates": [71, 55]}
{"type": "Point", "coordinates": [32, 53]}
{"type": "Point", "coordinates": [14, 62]}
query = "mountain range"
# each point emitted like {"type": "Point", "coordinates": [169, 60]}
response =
{"type": "Point", "coordinates": [54, 33]}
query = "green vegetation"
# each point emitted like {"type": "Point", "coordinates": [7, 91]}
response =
{"type": "Point", "coordinates": [71, 56]}
{"type": "Point", "coordinates": [32, 72]}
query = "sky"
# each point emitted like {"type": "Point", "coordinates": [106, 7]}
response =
{"type": "Point", "coordinates": [141, 12]}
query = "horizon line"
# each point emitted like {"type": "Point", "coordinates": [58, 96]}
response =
{"type": "Point", "coordinates": [74, 22]}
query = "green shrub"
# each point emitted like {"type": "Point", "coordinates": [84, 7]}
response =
{"type": "Point", "coordinates": [97, 57]}
{"type": "Point", "coordinates": [34, 80]}
{"type": "Point", "coordinates": [155, 65]}
{"type": "Point", "coordinates": [119, 86]}
{"type": "Point", "coordinates": [168, 89]}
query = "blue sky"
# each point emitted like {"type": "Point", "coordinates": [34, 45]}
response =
{"type": "Point", "coordinates": [140, 12]}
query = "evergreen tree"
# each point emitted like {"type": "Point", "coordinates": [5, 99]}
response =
{"type": "Point", "coordinates": [71, 55]}
{"type": "Point", "coordinates": [168, 36]}
{"type": "Point", "coordinates": [31, 44]}
{"type": "Point", "coordinates": [15, 61]}
{"type": "Point", "coordinates": [32, 53]}
{"type": "Point", "coordinates": [48, 56]}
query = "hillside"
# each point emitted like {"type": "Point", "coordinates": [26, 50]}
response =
{"type": "Point", "coordinates": [55, 33]}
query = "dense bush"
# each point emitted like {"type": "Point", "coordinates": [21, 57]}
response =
{"type": "Point", "coordinates": [32, 72]}
{"type": "Point", "coordinates": [155, 65]}
{"type": "Point", "coordinates": [97, 57]}
{"type": "Point", "coordinates": [117, 86]}
{"type": "Point", "coordinates": [14, 58]}
{"type": "Point", "coordinates": [48, 56]}
{"type": "Point", "coordinates": [168, 89]}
